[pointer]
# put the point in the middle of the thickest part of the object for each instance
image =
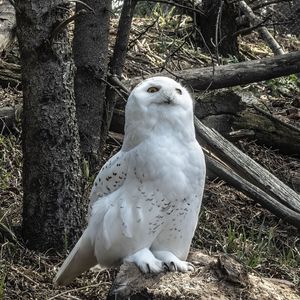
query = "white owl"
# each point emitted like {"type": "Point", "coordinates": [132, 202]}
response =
{"type": "Point", "coordinates": [146, 199]}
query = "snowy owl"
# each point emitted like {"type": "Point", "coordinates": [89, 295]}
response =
{"type": "Point", "coordinates": [145, 201]}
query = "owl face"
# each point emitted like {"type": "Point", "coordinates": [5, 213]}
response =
{"type": "Point", "coordinates": [160, 93]}
{"type": "Point", "coordinates": [158, 106]}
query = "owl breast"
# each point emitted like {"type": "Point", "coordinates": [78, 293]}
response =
{"type": "Point", "coordinates": [175, 168]}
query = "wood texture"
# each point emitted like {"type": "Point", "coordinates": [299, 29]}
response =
{"type": "Point", "coordinates": [214, 278]}
{"type": "Point", "coordinates": [90, 47]}
{"type": "Point", "coordinates": [52, 203]}
{"type": "Point", "coordinates": [247, 167]}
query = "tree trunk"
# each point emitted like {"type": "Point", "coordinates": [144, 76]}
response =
{"type": "Point", "coordinates": [52, 210]}
{"type": "Point", "coordinates": [90, 47]}
{"type": "Point", "coordinates": [116, 64]}
{"type": "Point", "coordinates": [218, 26]}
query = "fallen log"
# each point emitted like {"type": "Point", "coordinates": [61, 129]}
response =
{"type": "Point", "coordinates": [270, 131]}
{"type": "Point", "coordinates": [215, 277]}
{"type": "Point", "coordinates": [226, 111]}
{"type": "Point", "coordinates": [10, 74]}
{"type": "Point", "coordinates": [9, 118]}
{"type": "Point", "coordinates": [246, 167]}
{"type": "Point", "coordinates": [252, 191]}
{"type": "Point", "coordinates": [217, 77]}
{"type": "Point", "coordinates": [208, 78]}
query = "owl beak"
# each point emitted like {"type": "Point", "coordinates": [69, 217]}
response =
{"type": "Point", "coordinates": [168, 100]}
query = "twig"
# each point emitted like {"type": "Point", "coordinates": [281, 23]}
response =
{"type": "Point", "coordinates": [63, 24]}
{"type": "Point", "coordinates": [78, 289]}
{"type": "Point", "coordinates": [263, 4]}
{"type": "Point", "coordinates": [24, 275]}
{"type": "Point", "coordinates": [218, 30]}
{"type": "Point", "coordinates": [174, 52]}
{"type": "Point", "coordinates": [84, 4]}
{"type": "Point", "coordinates": [131, 44]}
{"type": "Point", "coordinates": [117, 64]}
{"type": "Point", "coordinates": [178, 5]}
{"type": "Point", "coordinates": [212, 58]}
{"type": "Point", "coordinates": [250, 29]}
{"type": "Point", "coordinates": [113, 87]}
{"type": "Point", "coordinates": [116, 81]}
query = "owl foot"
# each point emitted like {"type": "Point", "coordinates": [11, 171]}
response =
{"type": "Point", "coordinates": [172, 263]}
{"type": "Point", "coordinates": [145, 261]}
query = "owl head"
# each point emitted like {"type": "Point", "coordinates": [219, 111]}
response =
{"type": "Point", "coordinates": [160, 93]}
{"type": "Point", "coordinates": [158, 107]}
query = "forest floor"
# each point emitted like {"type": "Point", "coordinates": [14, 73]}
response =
{"type": "Point", "coordinates": [229, 221]}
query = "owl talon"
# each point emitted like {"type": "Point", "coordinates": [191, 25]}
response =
{"type": "Point", "coordinates": [174, 264]}
{"type": "Point", "coordinates": [191, 267]}
{"type": "Point", "coordinates": [148, 267]}
{"type": "Point", "coordinates": [146, 262]}
{"type": "Point", "coordinates": [166, 267]}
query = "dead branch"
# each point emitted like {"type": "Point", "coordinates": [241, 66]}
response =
{"type": "Point", "coordinates": [252, 191]}
{"type": "Point", "coordinates": [263, 31]}
{"type": "Point", "coordinates": [246, 167]}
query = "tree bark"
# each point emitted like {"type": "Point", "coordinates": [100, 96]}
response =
{"type": "Point", "coordinates": [90, 46]}
{"type": "Point", "coordinates": [52, 210]}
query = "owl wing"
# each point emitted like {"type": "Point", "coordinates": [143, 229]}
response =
{"type": "Point", "coordinates": [110, 178]}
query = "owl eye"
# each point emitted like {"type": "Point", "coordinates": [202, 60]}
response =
{"type": "Point", "coordinates": [153, 89]}
{"type": "Point", "coordinates": [179, 91]}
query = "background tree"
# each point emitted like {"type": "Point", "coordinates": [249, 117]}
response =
{"type": "Point", "coordinates": [116, 65]}
{"type": "Point", "coordinates": [217, 25]}
{"type": "Point", "coordinates": [52, 212]}
{"type": "Point", "coordinates": [90, 46]}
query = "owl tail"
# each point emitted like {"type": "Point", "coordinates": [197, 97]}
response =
{"type": "Point", "coordinates": [80, 259]}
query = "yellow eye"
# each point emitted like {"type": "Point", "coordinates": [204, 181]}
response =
{"type": "Point", "coordinates": [153, 89]}
{"type": "Point", "coordinates": [179, 91]}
